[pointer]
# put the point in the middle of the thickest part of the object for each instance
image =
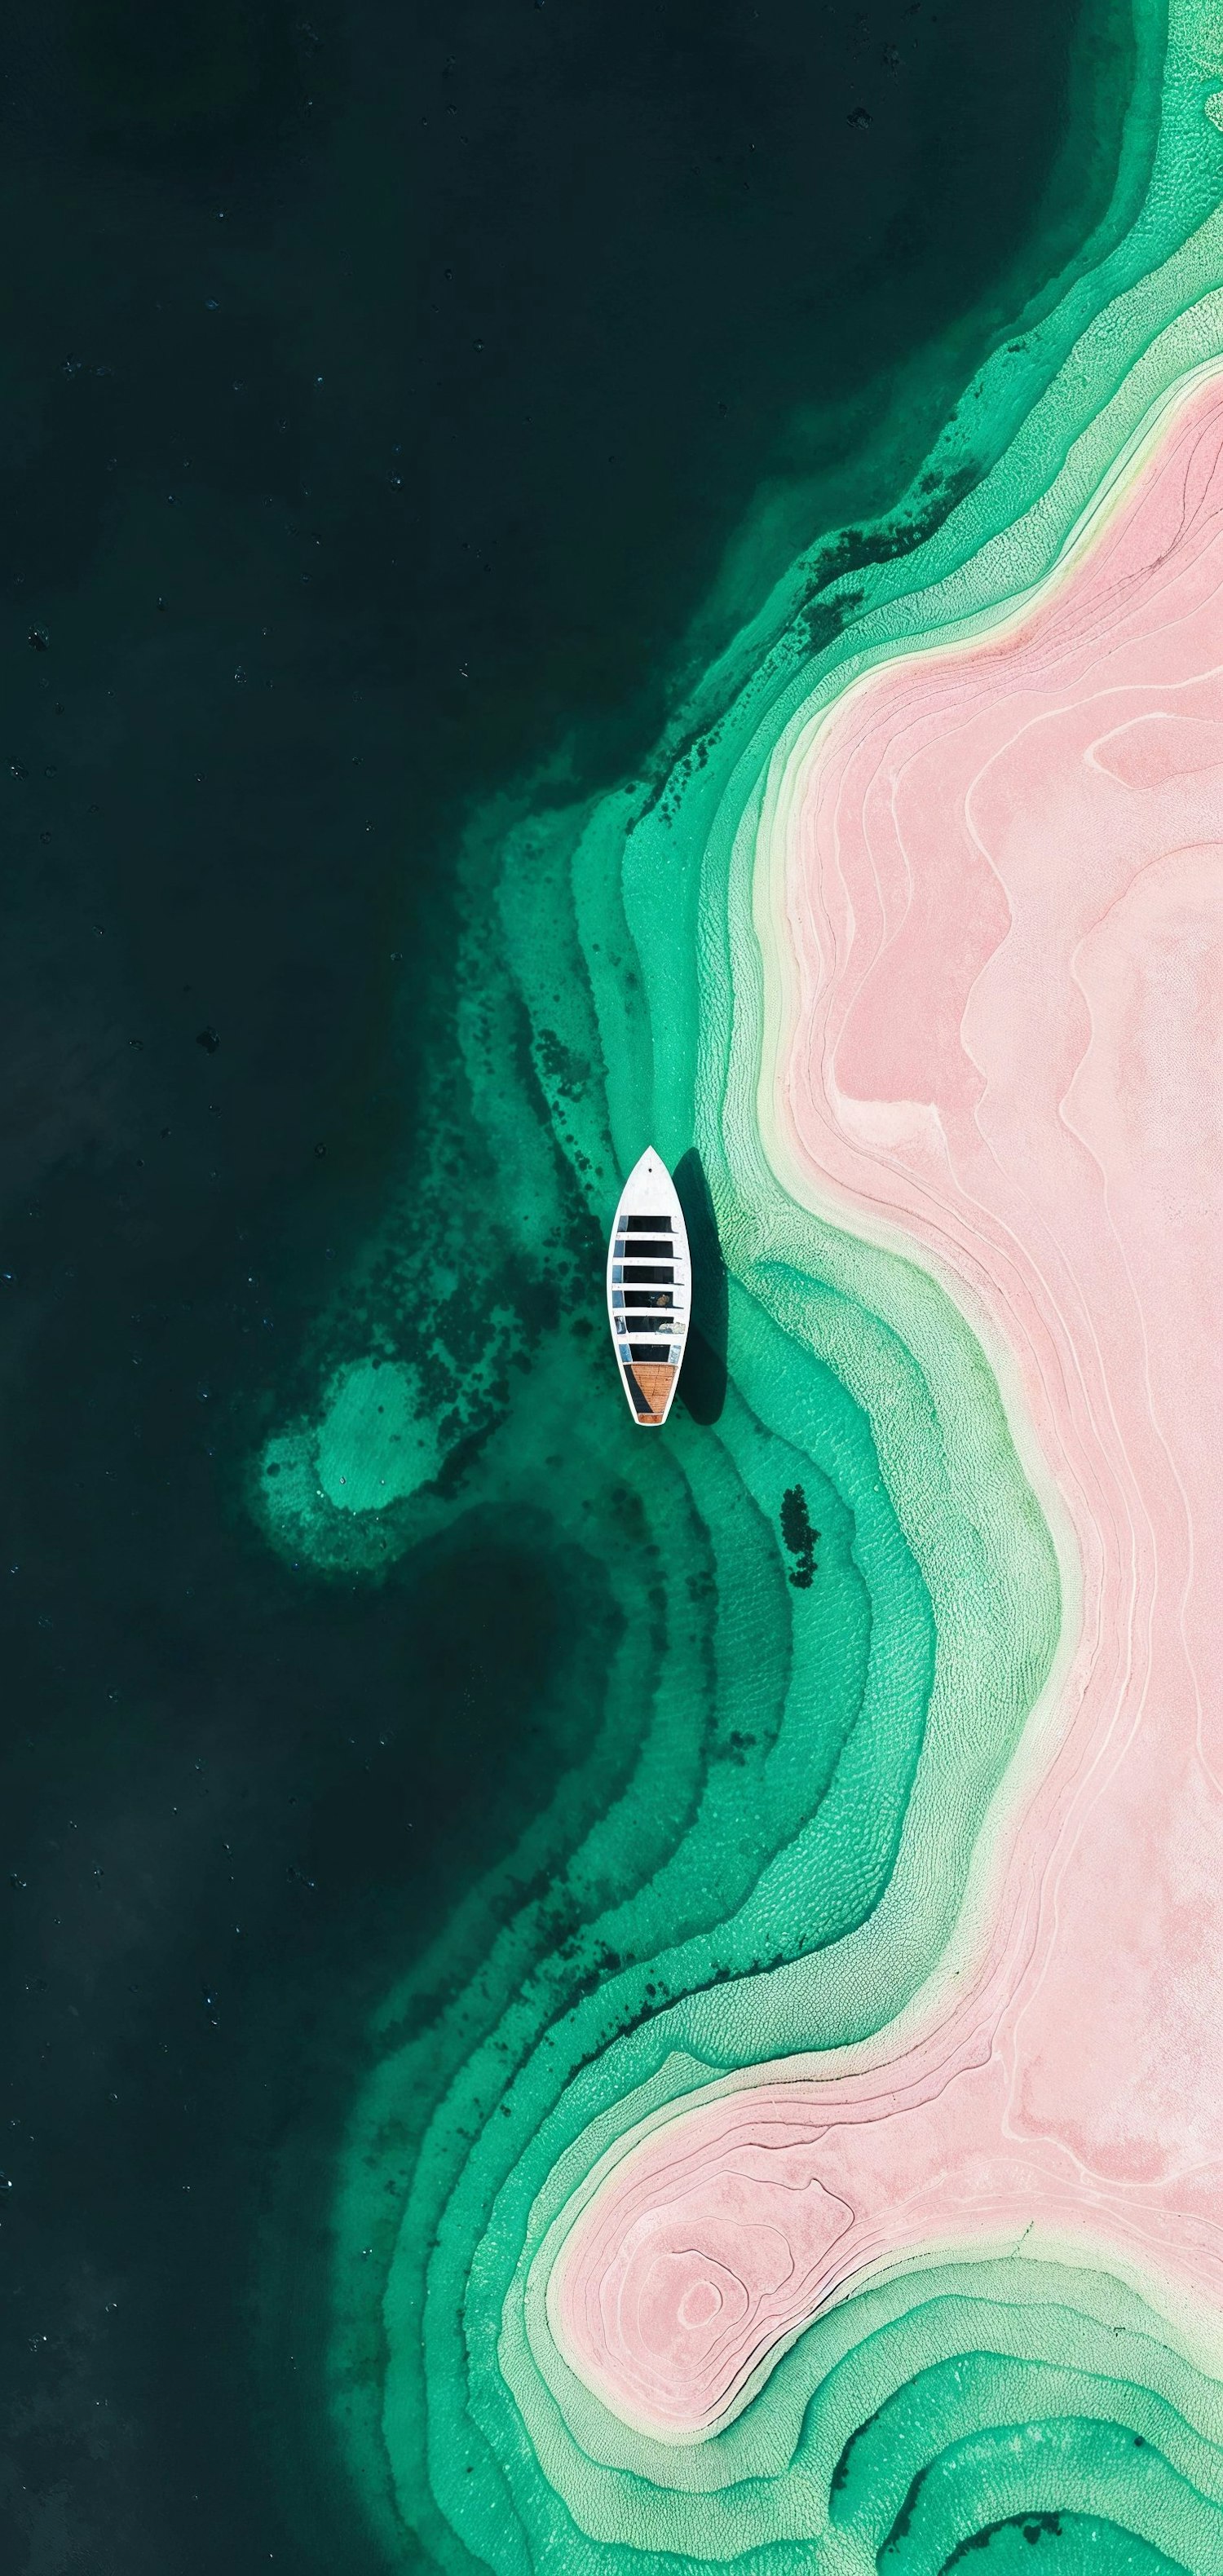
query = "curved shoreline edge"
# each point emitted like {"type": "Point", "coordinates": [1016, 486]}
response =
{"type": "Point", "coordinates": [1034, 794]}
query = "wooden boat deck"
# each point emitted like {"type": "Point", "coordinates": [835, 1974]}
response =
{"type": "Point", "coordinates": [654, 1379]}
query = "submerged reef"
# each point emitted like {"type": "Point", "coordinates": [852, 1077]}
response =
{"type": "Point", "coordinates": [819, 2167]}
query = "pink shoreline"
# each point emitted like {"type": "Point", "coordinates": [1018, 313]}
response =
{"type": "Point", "coordinates": [1004, 893]}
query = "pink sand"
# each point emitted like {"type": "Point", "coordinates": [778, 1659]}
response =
{"type": "Point", "coordinates": [1004, 894]}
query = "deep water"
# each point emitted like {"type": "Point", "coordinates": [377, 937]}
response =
{"type": "Point", "coordinates": [394, 404]}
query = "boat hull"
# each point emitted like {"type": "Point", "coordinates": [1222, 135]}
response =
{"type": "Point", "coordinates": [649, 1288]}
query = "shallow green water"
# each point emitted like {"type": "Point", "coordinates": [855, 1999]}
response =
{"type": "Point", "coordinates": [767, 1848]}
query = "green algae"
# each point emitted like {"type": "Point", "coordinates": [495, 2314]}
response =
{"type": "Point", "coordinates": [769, 1847]}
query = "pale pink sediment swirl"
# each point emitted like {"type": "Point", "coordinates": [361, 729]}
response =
{"type": "Point", "coordinates": [1005, 893]}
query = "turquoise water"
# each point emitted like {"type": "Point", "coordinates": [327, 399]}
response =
{"type": "Point", "coordinates": [766, 1846]}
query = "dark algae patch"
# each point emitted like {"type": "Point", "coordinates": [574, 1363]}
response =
{"type": "Point", "coordinates": [800, 1537]}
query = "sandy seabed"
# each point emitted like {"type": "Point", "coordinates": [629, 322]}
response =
{"type": "Point", "coordinates": [1004, 889]}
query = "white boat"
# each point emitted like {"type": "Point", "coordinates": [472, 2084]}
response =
{"type": "Point", "coordinates": [649, 1290]}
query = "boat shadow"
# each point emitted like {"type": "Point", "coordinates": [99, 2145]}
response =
{"type": "Point", "coordinates": [702, 1379]}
